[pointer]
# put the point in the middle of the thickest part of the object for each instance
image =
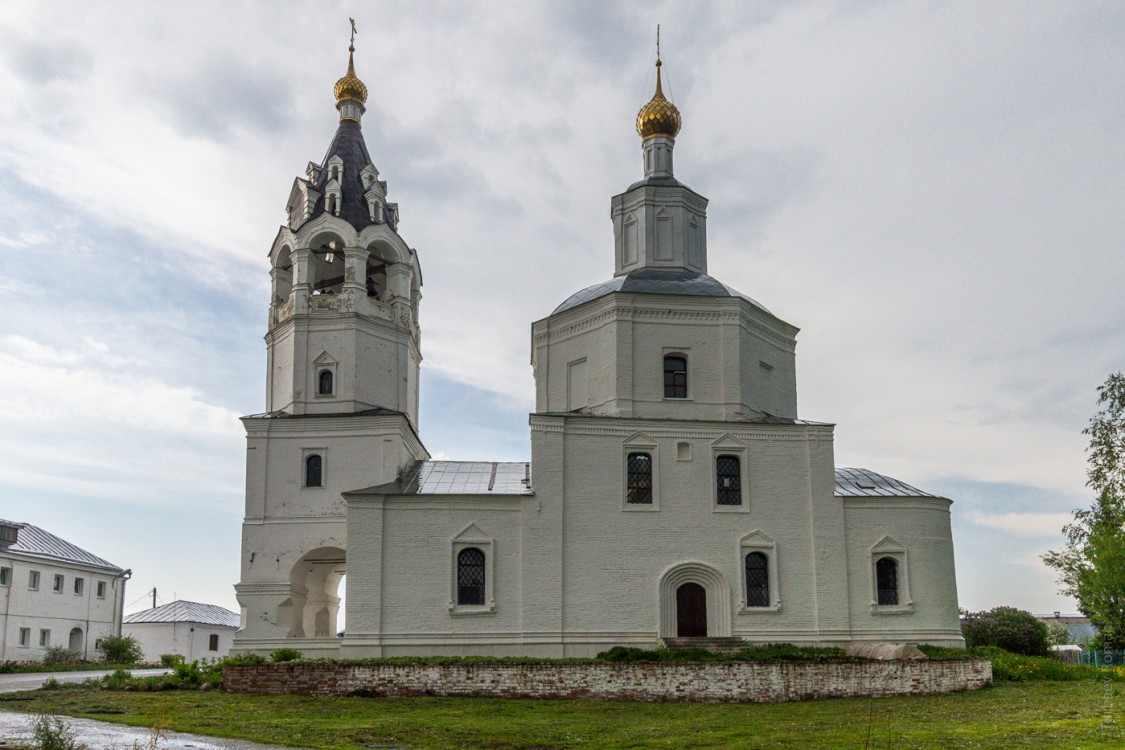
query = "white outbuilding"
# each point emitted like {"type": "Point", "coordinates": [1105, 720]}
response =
{"type": "Point", "coordinates": [190, 629]}
{"type": "Point", "coordinates": [54, 593]}
{"type": "Point", "coordinates": [672, 489]}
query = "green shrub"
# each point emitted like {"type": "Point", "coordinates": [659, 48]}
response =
{"type": "Point", "coordinates": [121, 649]}
{"type": "Point", "coordinates": [245, 659]}
{"type": "Point", "coordinates": [52, 733]}
{"type": "Point", "coordinates": [117, 679]}
{"type": "Point", "coordinates": [1009, 667]}
{"type": "Point", "coordinates": [285, 654]}
{"type": "Point", "coordinates": [171, 660]}
{"type": "Point", "coordinates": [51, 684]}
{"type": "Point", "coordinates": [764, 652]}
{"type": "Point", "coordinates": [60, 655]}
{"type": "Point", "coordinates": [1011, 629]}
{"type": "Point", "coordinates": [944, 652]}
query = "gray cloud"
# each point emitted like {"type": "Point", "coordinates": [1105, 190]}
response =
{"type": "Point", "coordinates": [45, 61]}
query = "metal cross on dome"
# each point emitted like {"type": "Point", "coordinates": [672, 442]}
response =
{"type": "Point", "coordinates": [353, 31]}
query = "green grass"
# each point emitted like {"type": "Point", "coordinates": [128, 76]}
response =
{"type": "Point", "coordinates": [1011, 715]}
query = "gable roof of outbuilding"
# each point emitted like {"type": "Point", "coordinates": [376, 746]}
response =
{"type": "Point", "coordinates": [182, 611]}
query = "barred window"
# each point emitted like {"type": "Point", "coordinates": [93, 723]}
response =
{"type": "Point", "coordinates": [639, 490]}
{"type": "Point", "coordinates": [886, 579]}
{"type": "Point", "coordinates": [728, 478]}
{"type": "Point", "coordinates": [324, 383]}
{"type": "Point", "coordinates": [314, 471]}
{"type": "Point", "coordinates": [675, 377]}
{"type": "Point", "coordinates": [757, 580]}
{"type": "Point", "coordinates": [470, 576]}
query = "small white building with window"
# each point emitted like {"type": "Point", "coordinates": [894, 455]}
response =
{"type": "Point", "coordinates": [190, 629]}
{"type": "Point", "coordinates": [673, 491]}
{"type": "Point", "coordinates": [53, 593]}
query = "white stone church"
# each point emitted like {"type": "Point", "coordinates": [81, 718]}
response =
{"type": "Point", "coordinates": [672, 489]}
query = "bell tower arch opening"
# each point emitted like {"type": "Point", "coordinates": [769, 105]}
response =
{"type": "Point", "coordinates": [315, 585]}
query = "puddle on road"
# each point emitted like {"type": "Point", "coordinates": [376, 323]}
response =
{"type": "Point", "coordinates": [98, 735]}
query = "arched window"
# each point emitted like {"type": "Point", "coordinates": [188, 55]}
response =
{"type": "Point", "coordinates": [324, 383]}
{"type": "Point", "coordinates": [886, 579]}
{"type": "Point", "coordinates": [728, 480]}
{"type": "Point", "coordinates": [332, 204]}
{"type": "Point", "coordinates": [639, 488]}
{"type": "Point", "coordinates": [314, 471]}
{"type": "Point", "coordinates": [470, 576]}
{"type": "Point", "coordinates": [675, 377]}
{"type": "Point", "coordinates": [757, 580]}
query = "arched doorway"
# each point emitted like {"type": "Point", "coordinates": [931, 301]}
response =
{"type": "Point", "coordinates": [696, 595]}
{"type": "Point", "coordinates": [76, 641]}
{"type": "Point", "coordinates": [691, 611]}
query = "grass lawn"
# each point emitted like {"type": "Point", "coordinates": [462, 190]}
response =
{"type": "Point", "coordinates": [1010, 715]}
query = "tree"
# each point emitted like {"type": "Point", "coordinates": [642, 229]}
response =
{"type": "Point", "coordinates": [1009, 628]}
{"type": "Point", "coordinates": [1091, 566]}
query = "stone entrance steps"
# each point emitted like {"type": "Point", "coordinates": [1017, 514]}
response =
{"type": "Point", "coordinates": [717, 645]}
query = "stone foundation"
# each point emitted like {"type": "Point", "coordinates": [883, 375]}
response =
{"type": "Point", "coordinates": [724, 681]}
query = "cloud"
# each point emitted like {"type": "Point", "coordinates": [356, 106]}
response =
{"type": "Point", "coordinates": [1022, 524]}
{"type": "Point", "coordinates": [41, 62]}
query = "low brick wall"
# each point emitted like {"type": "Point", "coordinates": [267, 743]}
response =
{"type": "Point", "coordinates": [757, 682]}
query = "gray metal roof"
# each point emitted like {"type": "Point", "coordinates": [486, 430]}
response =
{"type": "Point", "coordinates": [656, 281]}
{"type": "Point", "coordinates": [33, 541]}
{"type": "Point", "coordinates": [458, 478]}
{"type": "Point", "coordinates": [348, 144]}
{"type": "Point", "coordinates": [865, 483]}
{"type": "Point", "coordinates": [181, 611]}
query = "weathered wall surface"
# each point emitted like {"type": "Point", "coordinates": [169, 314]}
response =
{"type": "Point", "coordinates": [754, 682]}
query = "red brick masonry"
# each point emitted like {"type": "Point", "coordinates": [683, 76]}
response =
{"type": "Point", "coordinates": [756, 682]}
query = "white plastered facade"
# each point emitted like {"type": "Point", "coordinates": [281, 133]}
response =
{"type": "Point", "coordinates": [574, 561]}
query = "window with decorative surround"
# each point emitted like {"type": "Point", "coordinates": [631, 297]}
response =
{"type": "Point", "coordinates": [890, 578]}
{"type": "Point", "coordinates": [758, 563]}
{"type": "Point", "coordinates": [472, 563]}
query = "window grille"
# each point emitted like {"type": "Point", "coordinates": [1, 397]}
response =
{"type": "Point", "coordinates": [757, 580]}
{"type": "Point", "coordinates": [324, 383]}
{"type": "Point", "coordinates": [675, 377]}
{"type": "Point", "coordinates": [470, 576]}
{"type": "Point", "coordinates": [213, 642]}
{"type": "Point", "coordinates": [314, 471]}
{"type": "Point", "coordinates": [639, 490]}
{"type": "Point", "coordinates": [886, 579]}
{"type": "Point", "coordinates": [728, 478]}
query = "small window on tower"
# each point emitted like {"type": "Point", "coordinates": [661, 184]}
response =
{"type": "Point", "coordinates": [314, 471]}
{"type": "Point", "coordinates": [675, 376]}
{"type": "Point", "coordinates": [324, 383]}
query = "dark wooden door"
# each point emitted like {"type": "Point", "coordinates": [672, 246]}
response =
{"type": "Point", "coordinates": [691, 611]}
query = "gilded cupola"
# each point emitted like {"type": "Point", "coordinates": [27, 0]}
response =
{"type": "Point", "coordinates": [659, 116]}
{"type": "Point", "coordinates": [350, 88]}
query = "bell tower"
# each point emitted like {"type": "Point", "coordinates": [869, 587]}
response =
{"type": "Point", "coordinates": [343, 349]}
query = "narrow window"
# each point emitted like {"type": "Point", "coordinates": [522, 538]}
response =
{"type": "Point", "coordinates": [886, 579]}
{"type": "Point", "coordinates": [332, 204]}
{"type": "Point", "coordinates": [44, 637]}
{"type": "Point", "coordinates": [25, 637]}
{"type": "Point", "coordinates": [101, 589]}
{"type": "Point", "coordinates": [33, 580]}
{"type": "Point", "coordinates": [675, 377]}
{"type": "Point", "coordinates": [757, 580]}
{"type": "Point", "coordinates": [213, 642]}
{"type": "Point", "coordinates": [314, 471]}
{"type": "Point", "coordinates": [470, 576]}
{"type": "Point", "coordinates": [639, 489]}
{"type": "Point", "coordinates": [728, 479]}
{"type": "Point", "coordinates": [5, 576]}
{"type": "Point", "coordinates": [324, 383]}
{"type": "Point", "coordinates": [58, 585]}
{"type": "Point", "coordinates": [79, 585]}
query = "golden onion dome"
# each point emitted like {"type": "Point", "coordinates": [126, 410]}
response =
{"type": "Point", "coordinates": [350, 87]}
{"type": "Point", "coordinates": [659, 116]}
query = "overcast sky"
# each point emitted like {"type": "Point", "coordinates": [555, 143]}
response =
{"type": "Point", "coordinates": [933, 192]}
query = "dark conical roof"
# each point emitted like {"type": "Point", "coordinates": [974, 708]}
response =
{"type": "Point", "coordinates": [348, 144]}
